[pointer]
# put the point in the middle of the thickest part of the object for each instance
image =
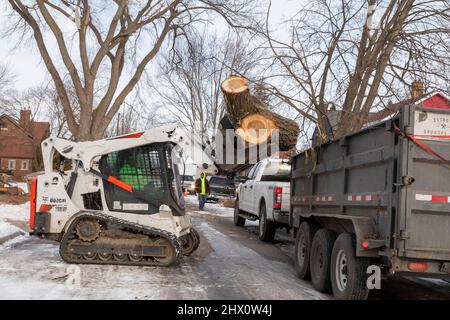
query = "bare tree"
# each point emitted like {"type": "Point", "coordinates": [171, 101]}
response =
{"type": "Point", "coordinates": [6, 77]}
{"type": "Point", "coordinates": [134, 116]}
{"type": "Point", "coordinates": [44, 103]}
{"type": "Point", "coordinates": [105, 46]}
{"type": "Point", "coordinates": [188, 83]}
{"type": "Point", "coordinates": [357, 56]}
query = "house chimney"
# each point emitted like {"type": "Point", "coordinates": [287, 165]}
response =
{"type": "Point", "coordinates": [417, 89]}
{"type": "Point", "coordinates": [25, 119]}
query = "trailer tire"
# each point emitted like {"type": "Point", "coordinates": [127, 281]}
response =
{"type": "Point", "coordinates": [348, 272]}
{"type": "Point", "coordinates": [303, 242]}
{"type": "Point", "coordinates": [266, 228]}
{"type": "Point", "coordinates": [320, 259]}
{"type": "Point", "coordinates": [237, 220]}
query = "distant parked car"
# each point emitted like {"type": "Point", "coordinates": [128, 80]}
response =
{"type": "Point", "coordinates": [188, 183]}
{"type": "Point", "coordinates": [220, 187]}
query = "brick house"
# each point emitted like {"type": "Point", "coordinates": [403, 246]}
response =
{"type": "Point", "coordinates": [20, 144]}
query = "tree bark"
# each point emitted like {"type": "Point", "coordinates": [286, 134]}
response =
{"type": "Point", "coordinates": [248, 116]}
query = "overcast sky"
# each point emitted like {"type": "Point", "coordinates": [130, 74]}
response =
{"type": "Point", "coordinates": [26, 63]}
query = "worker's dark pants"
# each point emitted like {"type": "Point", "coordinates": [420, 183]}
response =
{"type": "Point", "coordinates": [201, 201]}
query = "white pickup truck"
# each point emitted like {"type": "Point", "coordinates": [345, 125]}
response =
{"type": "Point", "coordinates": [265, 195]}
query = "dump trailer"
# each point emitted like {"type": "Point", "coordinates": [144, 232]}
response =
{"type": "Point", "coordinates": [376, 201]}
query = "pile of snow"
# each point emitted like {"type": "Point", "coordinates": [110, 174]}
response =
{"type": "Point", "coordinates": [7, 229]}
{"type": "Point", "coordinates": [17, 212]}
{"type": "Point", "coordinates": [210, 207]}
{"type": "Point", "coordinates": [220, 210]}
{"type": "Point", "coordinates": [191, 199]}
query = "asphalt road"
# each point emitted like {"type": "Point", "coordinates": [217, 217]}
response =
{"type": "Point", "coordinates": [231, 263]}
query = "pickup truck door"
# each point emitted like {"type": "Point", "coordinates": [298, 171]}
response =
{"type": "Point", "coordinates": [252, 206]}
{"type": "Point", "coordinates": [244, 194]}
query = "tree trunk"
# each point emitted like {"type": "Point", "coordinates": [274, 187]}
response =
{"type": "Point", "coordinates": [248, 116]}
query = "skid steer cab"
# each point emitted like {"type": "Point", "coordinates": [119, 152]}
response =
{"type": "Point", "coordinates": [120, 202]}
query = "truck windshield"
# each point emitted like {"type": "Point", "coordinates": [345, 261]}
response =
{"type": "Point", "coordinates": [277, 171]}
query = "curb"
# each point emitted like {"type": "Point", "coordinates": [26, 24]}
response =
{"type": "Point", "coordinates": [11, 236]}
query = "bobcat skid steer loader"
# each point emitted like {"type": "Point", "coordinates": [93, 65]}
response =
{"type": "Point", "coordinates": [121, 202]}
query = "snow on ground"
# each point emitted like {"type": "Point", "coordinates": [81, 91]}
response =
{"type": "Point", "coordinates": [211, 208]}
{"type": "Point", "coordinates": [32, 269]}
{"type": "Point", "coordinates": [7, 229]}
{"type": "Point", "coordinates": [219, 210]}
{"type": "Point", "coordinates": [19, 212]}
{"type": "Point", "coordinates": [12, 213]}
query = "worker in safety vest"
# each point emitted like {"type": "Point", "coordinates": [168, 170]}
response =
{"type": "Point", "coordinates": [202, 190]}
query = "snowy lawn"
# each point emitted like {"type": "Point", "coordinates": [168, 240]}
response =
{"type": "Point", "coordinates": [18, 212]}
{"type": "Point", "coordinates": [7, 229]}
{"type": "Point", "coordinates": [12, 213]}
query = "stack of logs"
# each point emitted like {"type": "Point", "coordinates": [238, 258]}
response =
{"type": "Point", "coordinates": [248, 116]}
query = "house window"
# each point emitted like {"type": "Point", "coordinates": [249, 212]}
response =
{"type": "Point", "coordinates": [11, 164]}
{"type": "Point", "coordinates": [24, 165]}
{"type": "Point", "coordinates": [3, 126]}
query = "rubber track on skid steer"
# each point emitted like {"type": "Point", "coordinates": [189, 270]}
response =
{"type": "Point", "coordinates": [127, 225]}
{"type": "Point", "coordinates": [196, 239]}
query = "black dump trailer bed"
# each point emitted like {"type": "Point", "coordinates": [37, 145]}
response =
{"type": "Point", "coordinates": [383, 191]}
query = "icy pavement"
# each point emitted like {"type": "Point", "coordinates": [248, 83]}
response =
{"type": "Point", "coordinates": [231, 263]}
{"type": "Point", "coordinates": [222, 268]}
{"type": "Point", "coordinates": [211, 208]}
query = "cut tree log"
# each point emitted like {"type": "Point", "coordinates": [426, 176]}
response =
{"type": "Point", "coordinates": [253, 120]}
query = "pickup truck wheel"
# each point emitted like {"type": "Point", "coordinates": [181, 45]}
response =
{"type": "Point", "coordinates": [238, 220]}
{"type": "Point", "coordinates": [348, 272]}
{"type": "Point", "coordinates": [303, 242]}
{"type": "Point", "coordinates": [266, 228]}
{"type": "Point", "coordinates": [320, 260]}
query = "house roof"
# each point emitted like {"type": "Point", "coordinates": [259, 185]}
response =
{"type": "Point", "coordinates": [434, 100]}
{"type": "Point", "coordinates": [20, 148]}
{"type": "Point", "coordinates": [39, 130]}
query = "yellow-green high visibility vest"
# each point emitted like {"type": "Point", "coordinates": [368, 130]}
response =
{"type": "Point", "coordinates": [203, 185]}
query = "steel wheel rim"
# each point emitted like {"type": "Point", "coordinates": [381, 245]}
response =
{"type": "Point", "coordinates": [90, 256]}
{"type": "Point", "coordinates": [170, 251]}
{"type": "Point", "coordinates": [341, 270]}
{"type": "Point", "coordinates": [135, 257]}
{"type": "Point", "coordinates": [105, 256]}
{"type": "Point", "coordinates": [120, 257]}
{"type": "Point", "coordinates": [301, 250]}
